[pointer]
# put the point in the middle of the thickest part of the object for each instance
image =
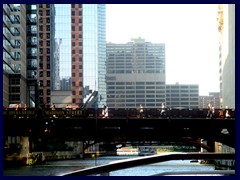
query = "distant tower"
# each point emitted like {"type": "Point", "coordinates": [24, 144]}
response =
{"type": "Point", "coordinates": [56, 75]}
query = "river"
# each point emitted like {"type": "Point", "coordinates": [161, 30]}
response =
{"type": "Point", "coordinates": [54, 168]}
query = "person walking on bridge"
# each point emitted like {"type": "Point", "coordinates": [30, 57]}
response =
{"type": "Point", "coordinates": [163, 110]}
{"type": "Point", "coordinates": [105, 111]}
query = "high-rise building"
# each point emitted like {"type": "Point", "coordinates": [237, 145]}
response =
{"type": "Point", "coordinates": [14, 54]}
{"type": "Point", "coordinates": [182, 95]}
{"type": "Point", "coordinates": [135, 74]}
{"type": "Point", "coordinates": [46, 42]}
{"type": "Point", "coordinates": [32, 56]}
{"type": "Point", "coordinates": [82, 53]}
{"type": "Point", "coordinates": [226, 28]}
{"type": "Point", "coordinates": [214, 98]}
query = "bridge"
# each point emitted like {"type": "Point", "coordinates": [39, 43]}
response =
{"type": "Point", "coordinates": [180, 125]}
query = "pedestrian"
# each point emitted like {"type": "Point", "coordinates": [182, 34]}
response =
{"type": "Point", "coordinates": [25, 106]}
{"type": "Point", "coordinates": [210, 110]}
{"type": "Point", "coordinates": [141, 110]}
{"type": "Point", "coordinates": [53, 106]}
{"type": "Point", "coordinates": [227, 115]}
{"type": "Point", "coordinates": [221, 115]}
{"type": "Point", "coordinates": [53, 109]}
{"type": "Point", "coordinates": [105, 111]}
{"type": "Point", "coordinates": [163, 110]}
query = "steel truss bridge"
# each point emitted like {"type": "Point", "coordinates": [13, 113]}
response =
{"type": "Point", "coordinates": [183, 126]}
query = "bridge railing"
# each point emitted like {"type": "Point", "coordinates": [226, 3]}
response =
{"type": "Point", "coordinates": [140, 161]}
{"type": "Point", "coordinates": [113, 112]}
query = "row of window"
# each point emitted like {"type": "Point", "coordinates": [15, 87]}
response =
{"type": "Point", "coordinates": [135, 92]}
{"type": "Point", "coordinates": [135, 96]}
{"type": "Point", "coordinates": [135, 100]}
{"type": "Point", "coordinates": [136, 87]}
{"type": "Point", "coordinates": [42, 72]}
{"type": "Point", "coordinates": [137, 83]}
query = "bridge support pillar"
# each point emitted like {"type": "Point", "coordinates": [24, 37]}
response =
{"type": "Point", "coordinates": [211, 144]}
{"type": "Point", "coordinates": [25, 149]}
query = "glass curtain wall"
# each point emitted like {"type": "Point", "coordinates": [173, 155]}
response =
{"type": "Point", "coordinates": [63, 39]}
{"type": "Point", "coordinates": [94, 51]}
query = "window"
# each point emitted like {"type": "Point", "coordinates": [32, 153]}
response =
{"type": "Point", "coordinates": [73, 13]}
{"type": "Point", "coordinates": [73, 59]}
{"type": "Point", "coordinates": [73, 28]}
{"type": "Point", "coordinates": [73, 51]}
{"type": "Point", "coordinates": [73, 20]}
{"type": "Point", "coordinates": [48, 43]}
{"type": "Point", "coordinates": [41, 83]}
{"type": "Point", "coordinates": [41, 92]}
{"type": "Point", "coordinates": [73, 5]}
{"type": "Point", "coordinates": [48, 83]}
{"type": "Point", "coordinates": [73, 93]}
{"type": "Point", "coordinates": [73, 36]}
{"type": "Point", "coordinates": [73, 74]}
{"type": "Point", "coordinates": [48, 73]}
{"type": "Point", "coordinates": [73, 43]}
{"type": "Point", "coordinates": [73, 66]}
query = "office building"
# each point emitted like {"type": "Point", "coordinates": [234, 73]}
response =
{"type": "Point", "coordinates": [182, 95]}
{"type": "Point", "coordinates": [46, 42]}
{"type": "Point", "coordinates": [226, 28]}
{"type": "Point", "coordinates": [213, 97]}
{"type": "Point", "coordinates": [14, 54]}
{"type": "Point", "coordinates": [82, 52]}
{"type": "Point", "coordinates": [135, 74]}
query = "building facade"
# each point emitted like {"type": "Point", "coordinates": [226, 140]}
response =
{"type": "Point", "coordinates": [135, 74]}
{"type": "Point", "coordinates": [226, 28]}
{"type": "Point", "coordinates": [214, 98]}
{"type": "Point", "coordinates": [14, 54]}
{"type": "Point", "coordinates": [46, 42]}
{"type": "Point", "coordinates": [182, 96]}
{"type": "Point", "coordinates": [82, 53]}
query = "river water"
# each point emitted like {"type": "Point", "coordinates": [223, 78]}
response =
{"type": "Point", "coordinates": [54, 168]}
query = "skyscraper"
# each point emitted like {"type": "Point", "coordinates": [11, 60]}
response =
{"type": "Point", "coordinates": [46, 31]}
{"type": "Point", "coordinates": [135, 74]}
{"type": "Point", "coordinates": [14, 54]}
{"type": "Point", "coordinates": [81, 28]}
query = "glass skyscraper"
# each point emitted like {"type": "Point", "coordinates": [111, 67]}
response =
{"type": "Point", "coordinates": [81, 49]}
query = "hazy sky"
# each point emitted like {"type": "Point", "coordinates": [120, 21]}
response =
{"type": "Point", "coordinates": [189, 32]}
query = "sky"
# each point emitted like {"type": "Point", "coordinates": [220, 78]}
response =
{"type": "Point", "coordinates": [189, 32]}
